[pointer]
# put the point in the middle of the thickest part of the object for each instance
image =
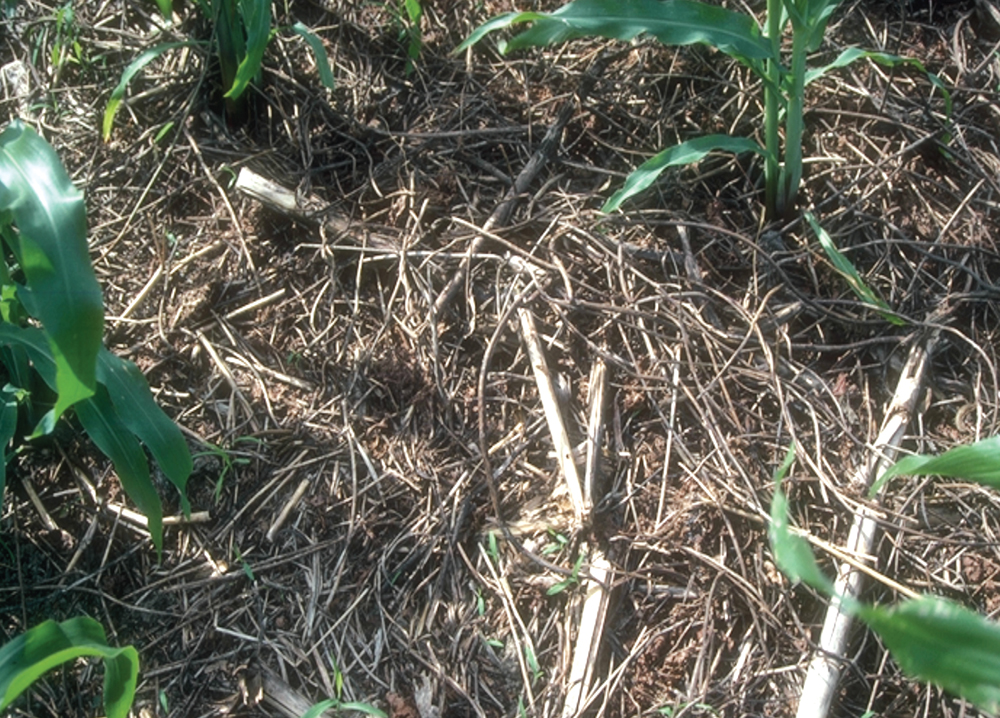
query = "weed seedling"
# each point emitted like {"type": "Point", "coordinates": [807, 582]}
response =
{"type": "Point", "coordinates": [571, 580]}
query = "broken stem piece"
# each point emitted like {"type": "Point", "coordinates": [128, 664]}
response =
{"type": "Point", "coordinates": [560, 439]}
{"type": "Point", "coordinates": [824, 670]}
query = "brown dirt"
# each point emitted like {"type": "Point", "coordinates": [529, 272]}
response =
{"type": "Point", "coordinates": [345, 377]}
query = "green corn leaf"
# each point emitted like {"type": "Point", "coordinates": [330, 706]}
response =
{"type": "Point", "coordinates": [792, 554]}
{"type": "Point", "coordinates": [316, 45]}
{"type": "Point", "coordinates": [818, 16]}
{"type": "Point", "coordinates": [126, 408]}
{"type": "Point", "coordinates": [846, 269]}
{"type": "Point", "coordinates": [317, 709]}
{"type": "Point", "coordinates": [672, 22]}
{"type": "Point", "coordinates": [941, 642]}
{"type": "Point", "coordinates": [50, 244]}
{"type": "Point", "coordinates": [809, 19]}
{"type": "Point", "coordinates": [27, 657]}
{"type": "Point", "coordinates": [256, 16]}
{"type": "Point", "coordinates": [414, 11]}
{"type": "Point", "coordinates": [29, 344]}
{"type": "Point", "coordinates": [497, 23]}
{"type": "Point", "coordinates": [683, 154]}
{"type": "Point", "coordinates": [136, 408]}
{"type": "Point", "coordinates": [979, 462]}
{"type": "Point", "coordinates": [133, 69]}
{"type": "Point", "coordinates": [106, 428]}
{"type": "Point", "coordinates": [33, 342]}
{"type": "Point", "coordinates": [229, 39]}
{"type": "Point", "coordinates": [8, 425]}
{"type": "Point", "coordinates": [166, 8]}
{"type": "Point", "coordinates": [852, 54]}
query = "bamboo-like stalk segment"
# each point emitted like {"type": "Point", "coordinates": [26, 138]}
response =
{"type": "Point", "coordinates": [595, 587]}
{"type": "Point", "coordinates": [824, 669]}
{"type": "Point", "coordinates": [557, 429]}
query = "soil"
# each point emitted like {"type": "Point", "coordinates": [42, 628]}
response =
{"type": "Point", "coordinates": [426, 567]}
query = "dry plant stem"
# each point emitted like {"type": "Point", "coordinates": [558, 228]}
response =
{"type": "Point", "coordinates": [595, 586]}
{"type": "Point", "coordinates": [588, 639]}
{"type": "Point", "coordinates": [824, 670]}
{"type": "Point", "coordinates": [287, 509]}
{"type": "Point", "coordinates": [43, 513]}
{"type": "Point", "coordinates": [595, 430]}
{"type": "Point", "coordinates": [309, 210]}
{"type": "Point", "coordinates": [282, 697]}
{"type": "Point", "coordinates": [140, 296]}
{"type": "Point", "coordinates": [560, 439]}
{"type": "Point", "coordinates": [501, 215]}
{"type": "Point", "coordinates": [134, 517]}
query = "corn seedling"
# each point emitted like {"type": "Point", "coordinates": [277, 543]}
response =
{"type": "Point", "coordinates": [245, 565]}
{"type": "Point", "coordinates": [66, 46]}
{"type": "Point", "coordinates": [51, 322]}
{"type": "Point", "coordinates": [26, 657]}
{"type": "Point", "coordinates": [558, 543]}
{"type": "Point", "coordinates": [932, 639]}
{"type": "Point", "coordinates": [571, 580]}
{"type": "Point", "coordinates": [411, 32]}
{"type": "Point", "coordinates": [338, 678]}
{"type": "Point", "coordinates": [228, 461]}
{"type": "Point", "coordinates": [532, 661]}
{"type": "Point", "coordinates": [493, 548]}
{"type": "Point", "coordinates": [686, 22]}
{"type": "Point", "coordinates": [241, 33]}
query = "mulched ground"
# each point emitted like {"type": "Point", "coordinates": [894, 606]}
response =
{"type": "Point", "coordinates": [314, 354]}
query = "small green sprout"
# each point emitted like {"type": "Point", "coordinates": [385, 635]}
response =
{"type": "Point", "coordinates": [571, 580]}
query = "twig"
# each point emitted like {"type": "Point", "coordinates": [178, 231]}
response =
{"type": "Point", "coordinates": [501, 215]}
{"type": "Point", "coordinates": [287, 509]}
{"type": "Point", "coordinates": [824, 670]}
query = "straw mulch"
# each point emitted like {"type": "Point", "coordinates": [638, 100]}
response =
{"type": "Point", "coordinates": [386, 514]}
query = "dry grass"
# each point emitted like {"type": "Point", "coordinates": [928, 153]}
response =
{"type": "Point", "coordinates": [322, 362]}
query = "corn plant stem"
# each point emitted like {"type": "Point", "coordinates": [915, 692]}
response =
{"type": "Point", "coordinates": [823, 673]}
{"type": "Point", "coordinates": [772, 109]}
{"type": "Point", "coordinates": [792, 173]}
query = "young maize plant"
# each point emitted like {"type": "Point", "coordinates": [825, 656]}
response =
{"type": "Point", "coordinates": [241, 33]}
{"type": "Point", "coordinates": [53, 362]}
{"type": "Point", "coordinates": [932, 639]}
{"type": "Point", "coordinates": [686, 22]}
